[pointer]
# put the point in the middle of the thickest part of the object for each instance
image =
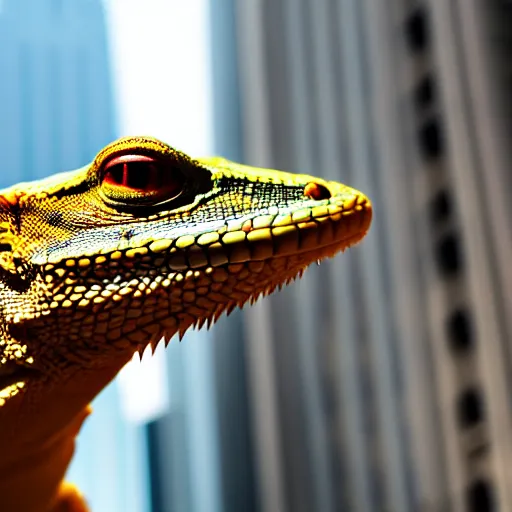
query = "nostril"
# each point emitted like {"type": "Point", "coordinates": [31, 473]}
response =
{"type": "Point", "coordinates": [316, 191]}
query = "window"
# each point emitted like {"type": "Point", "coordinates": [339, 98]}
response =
{"type": "Point", "coordinates": [480, 497]}
{"type": "Point", "coordinates": [441, 207]}
{"type": "Point", "coordinates": [417, 30]}
{"type": "Point", "coordinates": [424, 93]}
{"type": "Point", "coordinates": [448, 255]}
{"type": "Point", "coordinates": [470, 410]}
{"type": "Point", "coordinates": [430, 139]}
{"type": "Point", "coordinates": [459, 330]}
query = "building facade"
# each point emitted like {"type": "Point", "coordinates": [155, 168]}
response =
{"type": "Point", "coordinates": [381, 381]}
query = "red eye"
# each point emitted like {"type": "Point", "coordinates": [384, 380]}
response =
{"type": "Point", "coordinates": [138, 178]}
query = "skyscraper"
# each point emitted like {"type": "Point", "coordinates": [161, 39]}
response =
{"type": "Point", "coordinates": [457, 67]}
{"type": "Point", "coordinates": [56, 91]}
{"type": "Point", "coordinates": [56, 112]}
{"type": "Point", "coordinates": [382, 380]}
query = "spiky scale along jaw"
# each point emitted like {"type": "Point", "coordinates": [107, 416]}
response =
{"type": "Point", "coordinates": [142, 244]}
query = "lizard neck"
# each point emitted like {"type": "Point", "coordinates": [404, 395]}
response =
{"type": "Point", "coordinates": [38, 429]}
{"type": "Point", "coordinates": [31, 482]}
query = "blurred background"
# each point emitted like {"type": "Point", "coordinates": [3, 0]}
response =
{"type": "Point", "coordinates": [382, 381]}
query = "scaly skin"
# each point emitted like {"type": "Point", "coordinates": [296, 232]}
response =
{"type": "Point", "coordinates": [141, 244]}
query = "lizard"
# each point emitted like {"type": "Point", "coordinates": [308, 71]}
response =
{"type": "Point", "coordinates": [138, 246]}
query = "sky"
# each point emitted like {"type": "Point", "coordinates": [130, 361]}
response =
{"type": "Point", "coordinates": [161, 70]}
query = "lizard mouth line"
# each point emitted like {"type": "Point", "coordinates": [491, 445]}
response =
{"type": "Point", "coordinates": [261, 244]}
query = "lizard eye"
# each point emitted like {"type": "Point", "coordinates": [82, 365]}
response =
{"type": "Point", "coordinates": [139, 179]}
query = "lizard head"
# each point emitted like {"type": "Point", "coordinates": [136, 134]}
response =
{"type": "Point", "coordinates": [144, 243]}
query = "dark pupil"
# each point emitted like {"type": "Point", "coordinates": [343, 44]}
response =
{"type": "Point", "coordinates": [140, 174]}
{"type": "Point", "coordinates": [115, 174]}
{"type": "Point", "coordinates": [137, 175]}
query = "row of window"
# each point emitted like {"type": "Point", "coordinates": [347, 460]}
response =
{"type": "Point", "coordinates": [479, 497]}
{"type": "Point", "coordinates": [470, 410]}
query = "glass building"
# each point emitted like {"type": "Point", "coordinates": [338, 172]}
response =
{"type": "Point", "coordinates": [56, 112]}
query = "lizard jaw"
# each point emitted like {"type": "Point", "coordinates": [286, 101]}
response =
{"type": "Point", "coordinates": [130, 315]}
{"type": "Point", "coordinates": [12, 374]}
{"type": "Point", "coordinates": [272, 274]}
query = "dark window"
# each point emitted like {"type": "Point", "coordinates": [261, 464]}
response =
{"type": "Point", "coordinates": [156, 484]}
{"type": "Point", "coordinates": [448, 255]}
{"type": "Point", "coordinates": [459, 330]}
{"type": "Point", "coordinates": [441, 207]}
{"type": "Point", "coordinates": [480, 497]}
{"type": "Point", "coordinates": [470, 409]}
{"type": "Point", "coordinates": [424, 93]}
{"type": "Point", "coordinates": [417, 30]}
{"type": "Point", "coordinates": [430, 139]}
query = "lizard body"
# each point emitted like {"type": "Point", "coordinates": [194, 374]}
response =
{"type": "Point", "coordinates": [141, 244]}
